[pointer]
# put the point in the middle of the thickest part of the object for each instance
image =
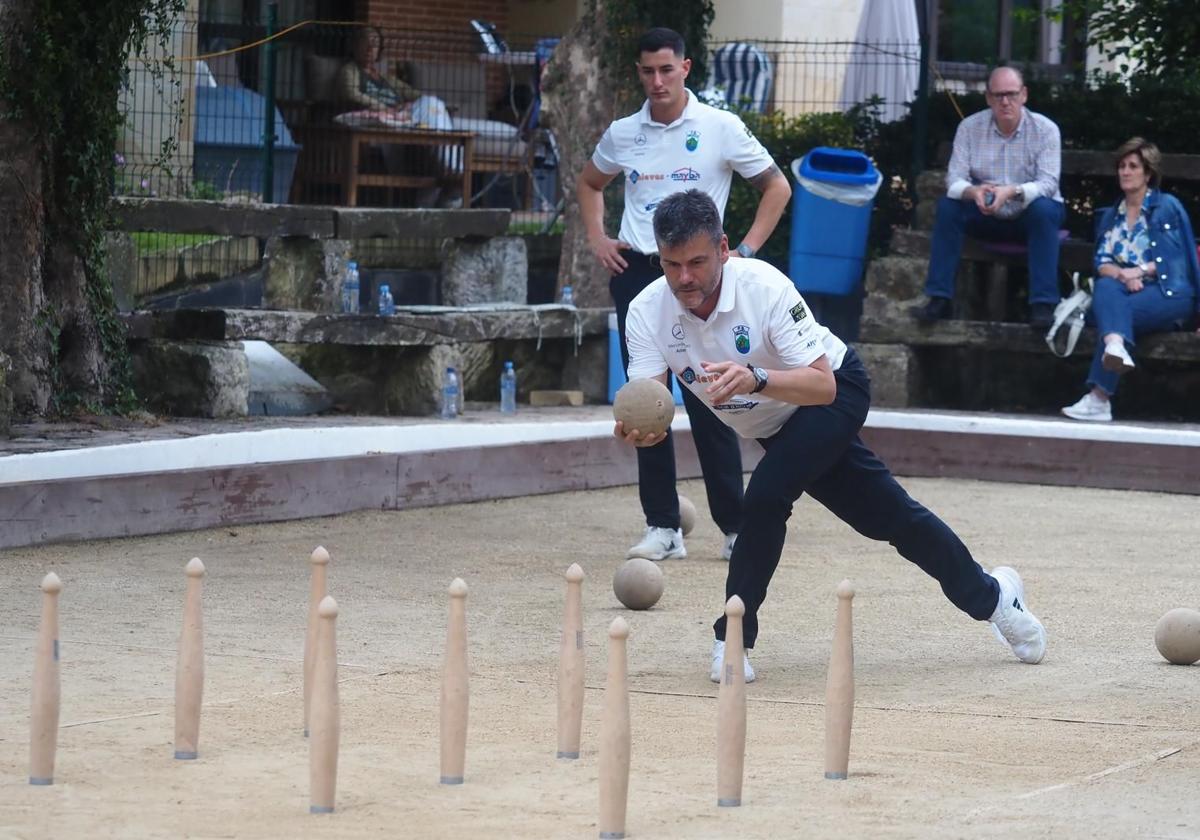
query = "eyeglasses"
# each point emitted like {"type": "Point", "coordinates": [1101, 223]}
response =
{"type": "Point", "coordinates": [1004, 95]}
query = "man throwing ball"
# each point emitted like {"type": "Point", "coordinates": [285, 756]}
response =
{"type": "Point", "coordinates": [741, 339]}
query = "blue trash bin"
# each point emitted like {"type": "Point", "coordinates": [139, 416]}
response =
{"type": "Point", "coordinates": [831, 215]}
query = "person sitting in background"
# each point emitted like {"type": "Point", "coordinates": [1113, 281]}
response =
{"type": "Point", "coordinates": [1147, 274]}
{"type": "Point", "coordinates": [1002, 185]}
{"type": "Point", "coordinates": [394, 103]}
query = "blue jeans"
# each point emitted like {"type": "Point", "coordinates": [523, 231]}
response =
{"type": "Point", "coordinates": [818, 452]}
{"type": "Point", "coordinates": [1037, 227]}
{"type": "Point", "coordinates": [1130, 314]}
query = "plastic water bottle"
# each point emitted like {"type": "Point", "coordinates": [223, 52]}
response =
{"type": "Point", "coordinates": [508, 390]}
{"type": "Point", "coordinates": [451, 393]}
{"type": "Point", "coordinates": [350, 287]}
{"type": "Point", "coordinates": [387, 305]}
{"type": "Point", "coordinates": [568, 296]}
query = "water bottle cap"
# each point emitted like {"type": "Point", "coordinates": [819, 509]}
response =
{"type": "Point", "coordinates": [450, 370]}
{"type": "Point", "coordinates": [566, 288]}
{"type": "Point", "coordinates": [508, 365]}
{"type": "Point", "coordinates": [352, 264]}
{"type": "Point", "coordinates": [384, 287]}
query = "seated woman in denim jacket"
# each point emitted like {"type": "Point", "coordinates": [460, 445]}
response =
{"type": "Point", "coordinates": [1147, 274]}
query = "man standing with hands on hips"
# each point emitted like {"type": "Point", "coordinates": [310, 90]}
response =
{"type": "Point", "coordinates": [673, 143]}
{"type": "Point", "coordinates": [760, 362]}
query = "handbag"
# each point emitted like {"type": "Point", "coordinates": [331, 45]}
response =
{"type": "Point", "coordinates": [1070, 312]}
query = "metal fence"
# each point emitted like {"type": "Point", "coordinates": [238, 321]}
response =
{"type": "Point", "coordinates": [351, 114]}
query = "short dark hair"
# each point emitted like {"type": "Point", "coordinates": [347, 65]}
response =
{"type": "Point", "coordinates": [1147, 152]}
{"type": "Point", "coordinates": [682, 216]}
{"type": "Point", "coordinates": [659, 37]}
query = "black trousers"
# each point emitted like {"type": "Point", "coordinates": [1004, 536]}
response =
{"type": "Point", "coordinates": [818, 451]}
{"type": "Point", "coordinates": [716, 444]}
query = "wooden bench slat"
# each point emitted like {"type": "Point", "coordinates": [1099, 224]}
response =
{"type": "Point", "coordinates": [361, 223]}
{"type": "Point", "coordinates": [171, 215]}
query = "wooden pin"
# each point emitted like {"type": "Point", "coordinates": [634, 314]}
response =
{"type": "Point", "coordinates": [839, 690]}
{"type": "Point", "coordinates": [731, 710]}
{"type": "Point", "coordinates": [324, 726]}
{"type": "Point", "coordinates": [455, 689]}
{"type": "Point", "coordinates": [43, 718]}
{"type": "Point", "coordinates": [189, 668]}
{"type": "Point", "coordinates": [570, 668]}
{"type": "Point", "coordinates": [317, 589]}
{"type": "Point", "coordinates": [614, 736]}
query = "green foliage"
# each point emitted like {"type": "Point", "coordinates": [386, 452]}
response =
{"type": "Point", "coordinates": [786, 138]}
{"type": "Point", "coordinates": [626, 20]}
{"type": "Point", "coordinates": [1157, 37]}
{"type": "Point", "coordinates": [61, 74]}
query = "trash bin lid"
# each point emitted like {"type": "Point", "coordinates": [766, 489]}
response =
{"type": "Point", "coordinates": [838, 166]}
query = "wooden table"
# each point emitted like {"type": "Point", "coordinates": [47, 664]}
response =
{"type": "Point", "coordinates": [355, 138]}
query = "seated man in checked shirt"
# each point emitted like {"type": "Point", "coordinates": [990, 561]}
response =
{"type": "Point", "coordinates": [1003, 186]}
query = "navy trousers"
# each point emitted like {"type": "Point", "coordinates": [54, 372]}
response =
{"type": "Point", "coordinates": [1037, 226]}
{"type": "Point", "coordinates": [716, 444]}
{"type": "Point", "coordinates": [818, 451]}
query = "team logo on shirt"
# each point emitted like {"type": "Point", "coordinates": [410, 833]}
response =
{"type": "Point", "coordinates": [650, 207]}
{"type": "Point", "coordinates": [634, 175]}
{"type": "Point", "coordinates": [799, 313]}
{"type": "Point", "coordinates": [693, 141]}
{"type": "Point", "coordinates": [685, 173]}
{"type": "Point", "coordinates": [688, 375]}
{"type": "Point", "coordinates": [639, 139]}
{"type": "Point", "coordinates": [677, 331]}
{"type": "Point", "coordinates": [741, 338]}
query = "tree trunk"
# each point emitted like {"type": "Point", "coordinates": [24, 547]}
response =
{"type": "Point", "coordinates": [579, 101]}
{"type": "Point", "coordinates": [46, 324]}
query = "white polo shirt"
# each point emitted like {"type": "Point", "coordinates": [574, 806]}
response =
{"type": "Point", "coordinates": [760, 320]}
{"type": "Point", "coordinates": [701, 149]}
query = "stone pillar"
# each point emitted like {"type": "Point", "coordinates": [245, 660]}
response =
{"type": "Point", "coordinates": [492, 270]}
{"type": "Point", "coordinates": [304, 273]}
{"type": "Point", "coordinates": [192, 378]}
{"type": "Point", "coordinates": [121, 259]}
{"type": "Point", "coordinates": [894, 373]}
{"type": "Point", "coordinates": [5, 397]}
{"type": "Point", "coordinates": [931, 185]}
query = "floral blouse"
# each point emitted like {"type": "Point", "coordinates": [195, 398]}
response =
{"type": "Point", "coordinates": [1127, 247]}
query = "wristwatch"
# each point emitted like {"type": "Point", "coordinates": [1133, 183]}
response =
{"type": "Point", "coordinates": [760, 378]}
{"type": "Point", "coordinates": [745, 250]}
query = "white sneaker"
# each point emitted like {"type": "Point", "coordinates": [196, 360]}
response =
{"type": "Point", "coordinates": [1090, 407]}
{"type": "Point", "coordinates": [718, 657]}
{"type": "Point", "coordinates": [659, 544]}
{"type": "Point", "coordinates": [1116, 358]}
{"type": "Point", "coordinates": [727, 551]}
{"type": "Point", "coordinates": [1014, 624]}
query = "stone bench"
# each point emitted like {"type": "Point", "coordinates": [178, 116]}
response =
{"type": "Point", "coordinates": [190, 361]}
{"type": "Point", "coordinates": [190, 358]}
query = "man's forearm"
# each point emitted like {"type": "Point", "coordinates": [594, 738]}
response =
{"type": "Point", "coordinates": [591, 208]}
{"type": "Point", "coordinates": [775, 195]}
{"type": "Point", "coordinates": [802, 386]}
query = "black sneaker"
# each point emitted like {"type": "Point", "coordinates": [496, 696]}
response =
{"type": "Point", "coordinates": [1041, 316]}
{"type": "Point", "coordinates": [936, 309]}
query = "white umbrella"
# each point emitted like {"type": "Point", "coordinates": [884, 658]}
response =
{"type": "Point", "coordinates": [885, 59]}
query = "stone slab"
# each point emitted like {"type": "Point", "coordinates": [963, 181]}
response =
{"type": "Point", "coordinates": [433, 325]}
{"type": "Point", "coordinates": [171, 215]}
{"type": "Point", "coordinates": [416, 223]}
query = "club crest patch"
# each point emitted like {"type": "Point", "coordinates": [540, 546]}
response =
{"type": "Point", "coordinates": [799, 313]}
{"type": "Point", "coordinates": [688, 375]}
{"type": "Point", "coordinates": [741, 338]}
{"type": "Point", "coordinates": [693, 141]}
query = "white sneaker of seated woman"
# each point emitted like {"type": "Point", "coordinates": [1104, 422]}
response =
{"type": "Point", "coordinates": [1116, 358]}
{"type": "Point", "coordinates": [1090, 407]}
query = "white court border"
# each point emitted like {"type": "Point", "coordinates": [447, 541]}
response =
{"type": "Point", "coordinates": [268, 446]}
